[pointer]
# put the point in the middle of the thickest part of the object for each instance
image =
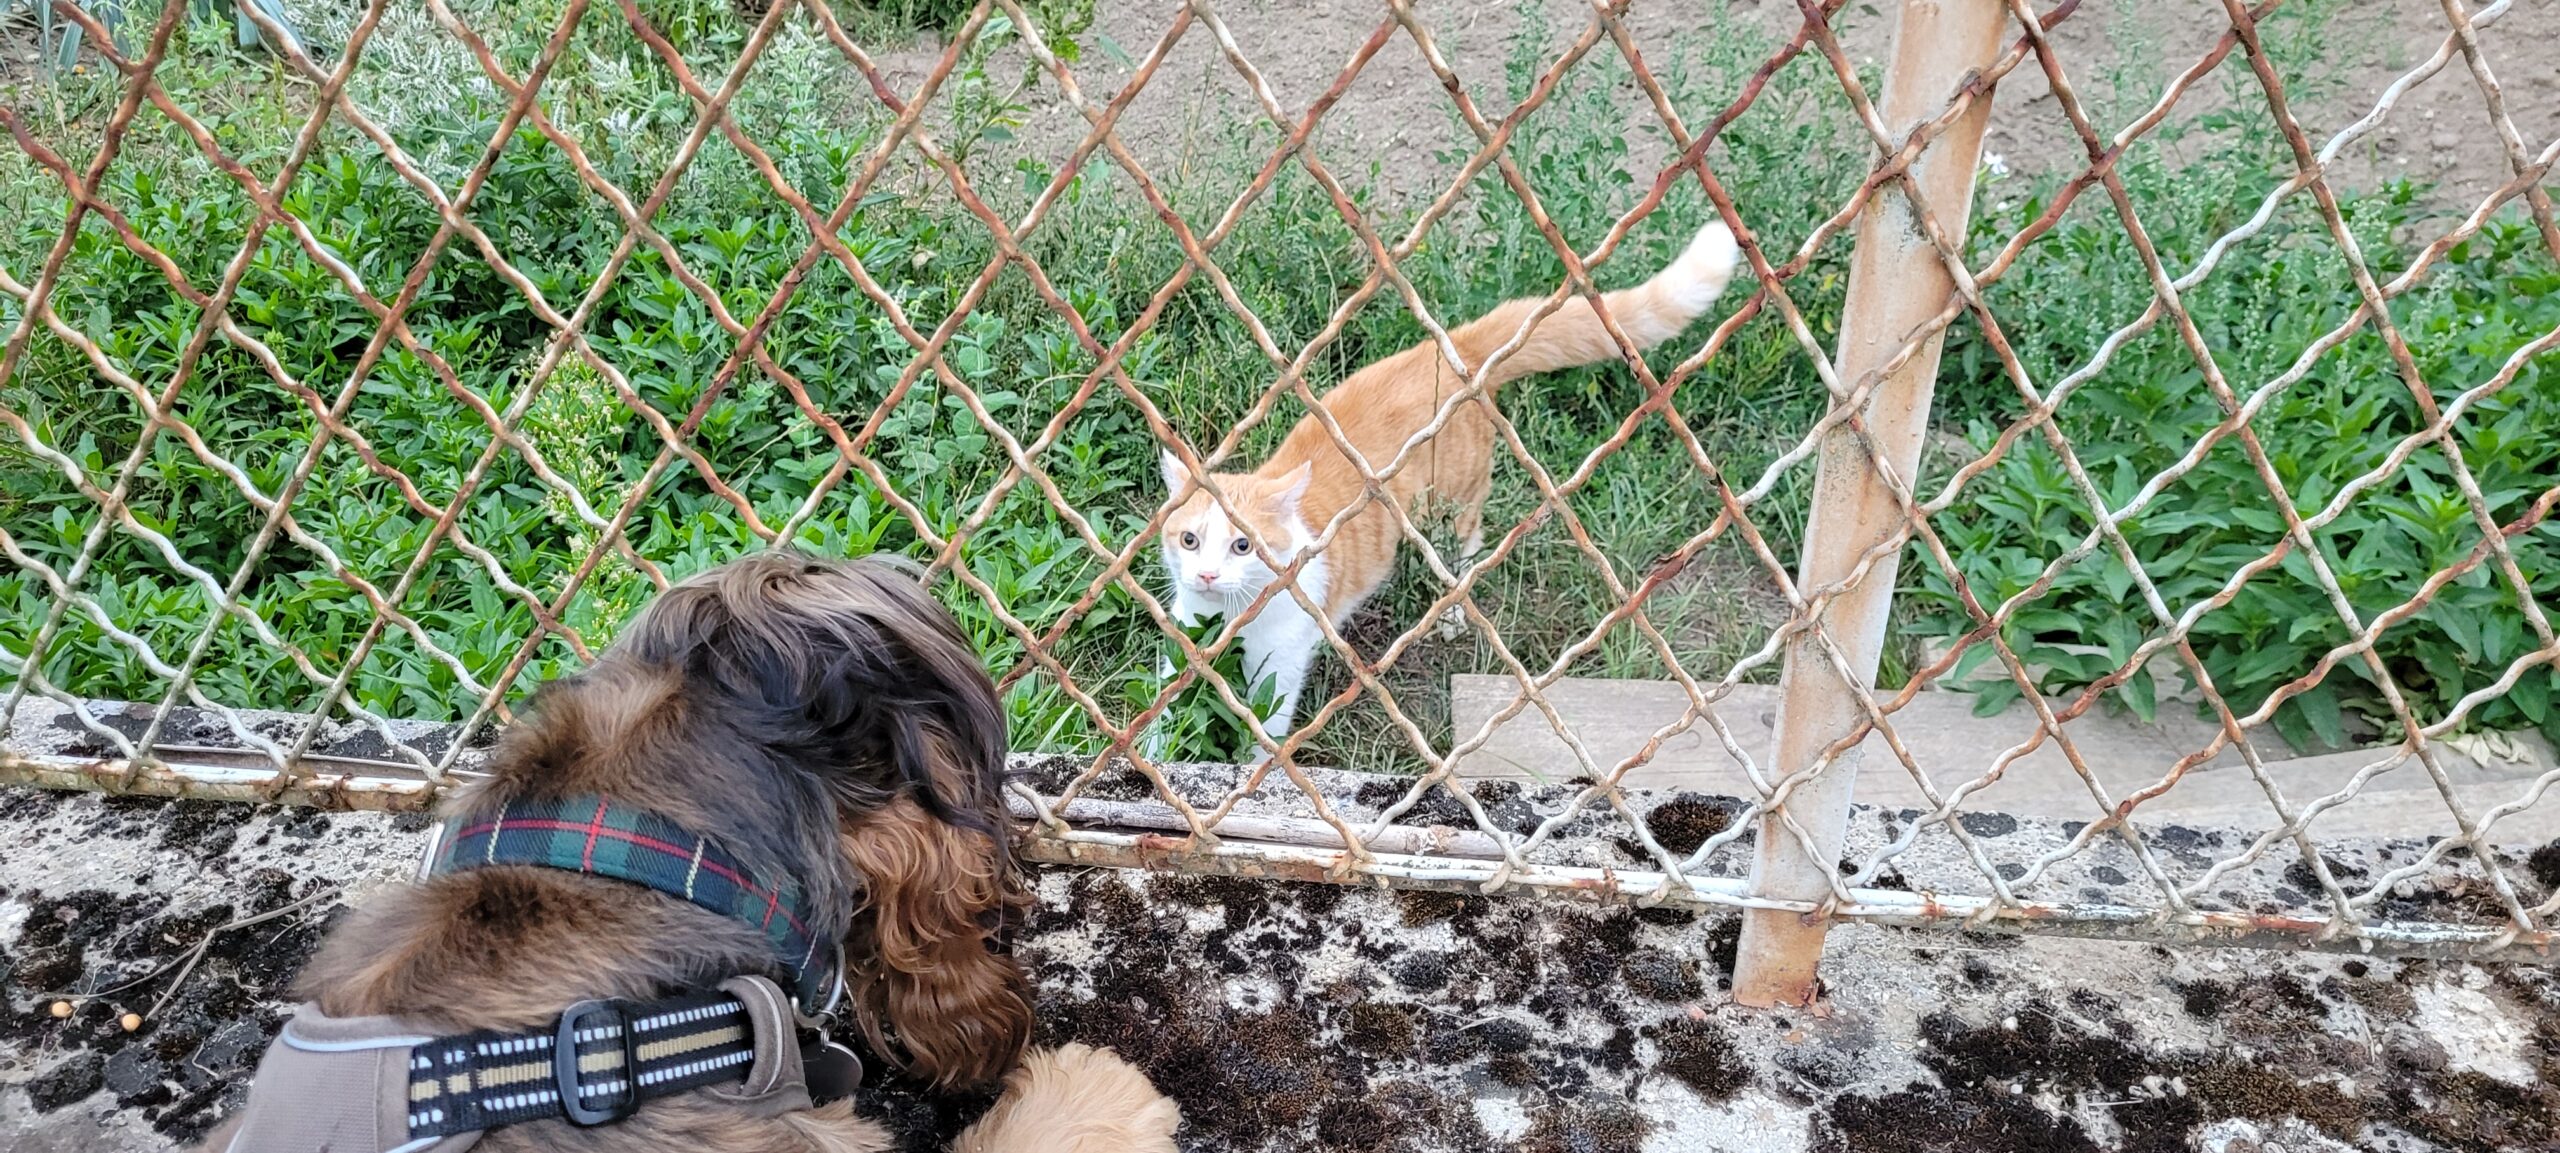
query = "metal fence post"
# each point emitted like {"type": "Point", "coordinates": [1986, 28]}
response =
{"type": "Point", "coordinates": [1896, 283]}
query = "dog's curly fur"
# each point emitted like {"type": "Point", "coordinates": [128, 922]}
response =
{"type": "Point", "coordinates": [822, 720]}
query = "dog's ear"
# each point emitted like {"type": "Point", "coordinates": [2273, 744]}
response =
{"type": "Point", "coordinates": [858, 683]}
{"type": "Point", "coordinates": [951, 731]}
{"type": "Point", "coordinates": [921, 960]}
{"type": "Point", "coordinates": [851, 668]}
{"type": "Point", "coordinates": [935, 859]}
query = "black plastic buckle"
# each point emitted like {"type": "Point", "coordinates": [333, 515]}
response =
{"type": "Point", "coordinates": [564, 1062]}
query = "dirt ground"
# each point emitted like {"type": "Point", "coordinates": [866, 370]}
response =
{"type": "Point", "coordinates": [1296, 1017]}
{"type": "Point", "coordinates": [1394, 121]}
{"type": "Point", "coordinates": [1395, 117]}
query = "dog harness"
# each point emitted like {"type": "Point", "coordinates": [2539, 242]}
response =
{"type": "Point", "coordinates": [374, 1085]}
{"type": "Point", "coordinates": [379, 1085]}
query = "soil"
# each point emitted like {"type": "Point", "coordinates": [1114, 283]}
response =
{"type": "Point", "coordinates": [1395, 122]}
{"type": "Point", "coordinates": [1287, 1016]}
{"type": "Point", "coordinates": [1396, 116]}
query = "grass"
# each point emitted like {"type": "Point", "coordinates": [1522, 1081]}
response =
{"type": "Point", "coordinates": [2334, 423]}
{"type": "Point", "coordinates": [1292, 261]}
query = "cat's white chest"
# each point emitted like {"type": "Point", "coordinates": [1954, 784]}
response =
{"type": "Point", "coordinates": [1280, 641]}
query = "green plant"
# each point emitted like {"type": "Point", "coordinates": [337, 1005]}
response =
{"type": "Point", "coordinates": [1198, 725]}
{"type": "Point", "coordinates": [2192, 183]}
{"type": "Point", "coordinates": [988, 104]}
{"type": "Point", "coordinates": [1290, 258]}
{"type": "Point", "coordinates": [922, 14]}
{"type": "Point", "coordinates": [2339, 421]}
{"type": "Point", "coordinates": [58, 37]}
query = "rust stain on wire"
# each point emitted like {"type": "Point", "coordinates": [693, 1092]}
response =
{"type": "Point", "coordinates": [292, 768]}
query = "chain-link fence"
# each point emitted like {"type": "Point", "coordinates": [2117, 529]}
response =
{"type": "Point", "coordinates": [1909, 284]}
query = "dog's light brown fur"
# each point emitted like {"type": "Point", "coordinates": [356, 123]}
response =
{"type": "Point", "coordinates": [926, 876]}
{"type": "Point", "coordinates": [822, 721]}
{"type": "Point", "coordinates": [1075, 1099]}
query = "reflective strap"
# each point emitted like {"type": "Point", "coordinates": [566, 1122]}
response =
{"type": "Point", "coordinates": [482, 1080]}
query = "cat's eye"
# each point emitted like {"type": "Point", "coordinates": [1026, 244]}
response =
{"type": "Point", "coordinates": [1190, 541]}
{"type": "Point", "coordinates": [1243, 546]}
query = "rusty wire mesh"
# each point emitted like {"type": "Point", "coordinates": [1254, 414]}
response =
{"type": "Point", "coordinates": [2342, 911]}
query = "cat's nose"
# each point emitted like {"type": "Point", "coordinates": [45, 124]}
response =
{"type": "Point", "coordinates": [1209, 578]}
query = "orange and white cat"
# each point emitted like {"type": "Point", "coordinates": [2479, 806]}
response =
{"type": "Point", "coordinates": [1308, 481]}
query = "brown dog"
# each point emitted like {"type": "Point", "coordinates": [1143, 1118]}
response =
{"type": "Point", "coordinates": [783, 753]}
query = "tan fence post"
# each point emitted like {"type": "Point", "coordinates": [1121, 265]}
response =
{"type": "Point", "coordinates": [1896, 284]}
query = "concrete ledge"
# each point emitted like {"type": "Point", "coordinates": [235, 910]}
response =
{"type": "Point", "coordinates": [1928, 873]}
{"type": "Point", "coordinates": [1614, 718]}
{"type": "Point", "coordinates": [1293, 1017]}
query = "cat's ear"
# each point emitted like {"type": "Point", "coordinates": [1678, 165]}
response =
{"type": "Point", "coordinates": [1293, 490]}
{"type": "Point", "coordinates": [1174, 473]}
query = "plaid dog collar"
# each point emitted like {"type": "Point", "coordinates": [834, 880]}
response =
{"type": "Point", "coordinates": [596, 836]}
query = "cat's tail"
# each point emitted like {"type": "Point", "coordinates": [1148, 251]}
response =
{"type": "Point", "coordinates": [1649, 313]}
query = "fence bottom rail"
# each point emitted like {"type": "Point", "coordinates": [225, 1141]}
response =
{"type": "Point", "coordinates": [1268, 837]}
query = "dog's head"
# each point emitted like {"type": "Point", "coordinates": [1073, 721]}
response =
{"type": "Point", "coordinates": [827, 721]}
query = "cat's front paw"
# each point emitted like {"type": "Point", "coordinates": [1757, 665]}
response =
{"type": "Point", "coordinates": [1453, 622]}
